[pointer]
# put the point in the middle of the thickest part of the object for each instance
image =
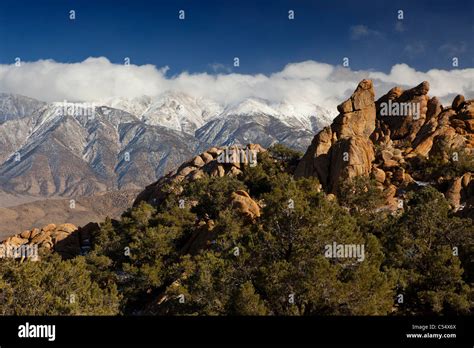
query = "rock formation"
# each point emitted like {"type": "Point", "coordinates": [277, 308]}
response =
{"type": "Point", "coordinates": [385, 139]}
{"type": "Point", "coordinates": [245, 205]}
{"type": "Point", "coordinates": [343, 150]}
{"type": "Point", "coordinates": [215, 162]}
{"type": "Point", "coordinates": [65, 239]}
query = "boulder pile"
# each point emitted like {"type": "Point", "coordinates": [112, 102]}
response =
{"type": "Point", "coordinates": [385, 139]}
{"type": "Point", "coordinates": [65, 239]}
{"type": "Point", "coordinates": [215, 162]}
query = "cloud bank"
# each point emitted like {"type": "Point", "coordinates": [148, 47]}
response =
{"type": "Point", "coordinates": [297, 83]}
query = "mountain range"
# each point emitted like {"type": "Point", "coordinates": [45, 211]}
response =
{"type": "Point", "coordinates": [74, 149]}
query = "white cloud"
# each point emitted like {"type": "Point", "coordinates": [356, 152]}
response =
{"type": "Point", "coordinates": [298, 83]}
{"type": "Point", "coordinates": [220, 68]}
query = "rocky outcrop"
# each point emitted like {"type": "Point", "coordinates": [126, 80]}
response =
{"type": "Point", "coordinates": [65, 239]}
{"type": "Point", "coordinates": [215, 162]}
{"type": "Point", "coordinates": [350, 157]}
{"type": "Point", "coordinates": [402, 113]}
{"type": "Point", "coordinates": [388, 138]}
{"type": "Point", "coordinates": [460, 190]}
{"type": "Point", "coordinates": [204, 234]}
{"type": "Point", "coordinates": [449, 129]}
{"type": "Point", "coordinates": [343, 151]}
{"type": "Point", "coordinates": [245, 205]}
{"type": "Point", "coordinates": [357, 114]}
{"type": "Point", "coordinates": [315, 161]}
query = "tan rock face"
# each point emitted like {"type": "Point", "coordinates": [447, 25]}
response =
{"type": "Point", "coordinates": [469, 125]}
{"type": "Point", "coordinates": [405, 113]}
{"type": "Point", "coordinates": [466, 180]}
{"type": "Point", "coordinates": [65, 239]}
{"type": "Point", "coordinates": [207, 157]}
{"type": "Point", "coordinates": [444, 140]}
{"type": "Point", "coordinates": [399, 175]}
{"type": "Point", "coordinates": [196, 175]}
{"type": "Point", "coordinates": [34, 232]}
{"type": "Point", "coordinates": [390, 164]}
{"type": "Point", "coordinates": [449, 130]}
{"type": "Point", "coordinates": [256, 147]}
{"type": "Point", "coordinates": [187, 170]}
{"type": "Point", "coordinates": [41, 237]}
{"type": "Point", "coordinates": [214, 151]}
{"type": "Point", "coordinates": [378, 174]}
{"type": "Point", "coordinates": [460, 190]}
{"type": "Point", "coordinates": [458, 102]}
{"type": "Point", "coordinates": [25, 234]}
{"type": "Point", "coordinates": [208, 163]}
{"type": "Point", "coordinates": [434, 108]}
{"type": "Point", "coordinates": [49, 227]}
{"type": "Point", "coordinates": [68, 228]}
{"type": "Point", "coordinates": [357, 117]}
{"type": "Point", "coordinates": [386, 155]}
{"type": "Point", "coordinates": [343, 150]}
{"type": "Point", "coordinates": [397, 155]}
{"type": "Point", "coordinates": [315, 161]}
{"type": "Point", "coordinates": [453, 195]}
{"type": "Point", "coordinates": [244, 204]}
{"type": "Point", "coordinates": [198, 162]}
{"type": "Point", "coordinates": [15, 240]}
{"type": "Point", "coordinates": [419, 127]}
{"type": "Point", "coordinates": [390, 197]}
{"type": "Point", "coordinates": [467, 111]}
{"type": "Point", "coordinates": [424, 146]}
{"type": "Point", "coordinates": [350, 157]}
{"type": "Point", "coordinates": [217, 171]}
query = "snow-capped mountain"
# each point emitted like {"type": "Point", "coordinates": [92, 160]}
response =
{"type": "Point", "coordinates": [256, 120]}
{"type": "Point", "coordinates": [74, 149]}
{"type": "Point", "coordinates": [258, 128]}
{"type": "Point", "coordinates": [185, 113]}
{"type": "Point", "coordinates": [180, 112]}
{"type": "Point", "coordinates": [176, 111]}
{"type": "Point", "coordinates": [73, 152]}
{"type": "Point", "coordinates": [250, 107]}
{"type": "Point", "coordinates": [311, 116]}
{"type": "Point", "coordinates": [134, 106]}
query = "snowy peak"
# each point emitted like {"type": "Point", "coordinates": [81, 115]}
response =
{"type": "Point", "coordinates": [180, 112]}
{"type": "Point", "coordinates": [310, 116]}
{"type": "Point", "coordinates": [302, 116]}
{"type": "Point", "coordinates": [173, 110]}
{"type": "Point", "coordinates": [249, 107]}
{"type": "Point", "coordinates": [184, 113]}
{"type": "Point", "coordinates": [135, 106]}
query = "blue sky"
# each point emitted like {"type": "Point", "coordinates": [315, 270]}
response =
{"type": "Point", "coordinates": [258, 32]}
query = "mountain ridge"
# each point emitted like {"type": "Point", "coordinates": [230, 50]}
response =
{"type": "Point", "coordinates": [100, 147]}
